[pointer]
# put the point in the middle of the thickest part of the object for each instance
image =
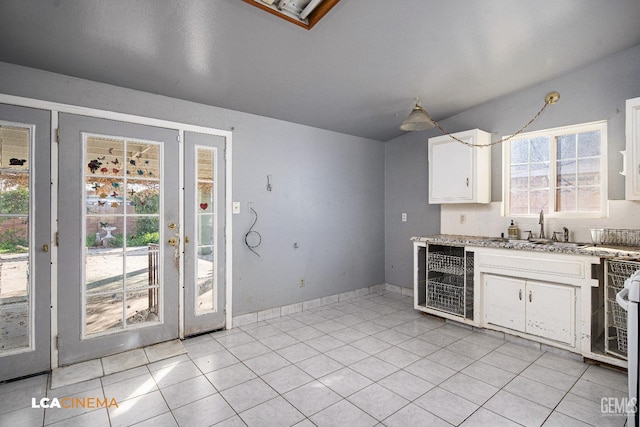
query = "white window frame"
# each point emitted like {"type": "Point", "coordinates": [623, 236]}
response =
{"type": "Point", "coordinates": [553, 133]}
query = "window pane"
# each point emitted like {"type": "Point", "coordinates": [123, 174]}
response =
{"type": "Point", "coordinates": [142, 306]}
{"type": "Point", "coordinates": [539, 175]}
{"type": "Point", "coordinates": [539, 201]}
{"type": "Point", "coordinates": [104, 312]}
{"type": "Point", "coordinates": [566, 199]}
{"type": "Point", "coordinates": [519, 151]}
{"type": "Point", "coordinates": [104, 157]}
{"type": "Point", "coordinates": [519, 176]}
{"type": "Point", "coordinates": [14, 283]}
{"type": "Point", "coordinates": [143, 160]}
{"type": "Point", "coordinates": [589, 144]}
{"type": "Point", "coordinates": [566, 173]}
{"type": "Point", "coordinates": [104, 195]}
{"type": "Point", "coordinates": [540, 149]}
{"type": "Point", "coordinates": [206, 293]}
{"type": "Point", "coordinates": [104, 232]}
{"type": "Point", "coordinates": [519, 202]}
{"type": "Point", "coordinates": [588, 199]}
{"type": "Point", "coordinates": [14, 193]}
{"type": "Point", "coordinates": [143, 195]}
{"type": "Point", "coordinates": [206, 196]}
{"type": "Point", "coordinates": [589, 171]}
{"type": "Point", "coordinates": [566, 147]}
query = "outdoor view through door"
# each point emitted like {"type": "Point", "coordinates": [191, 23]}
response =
{"type": "Point", "coordinates": [16, 321]}
{"type": "Point", "coordinates": [122, 187]}
{"type": "Point", "coordinates": [25, 237]}
{"type": "Point", "coordinates": [206, 213]}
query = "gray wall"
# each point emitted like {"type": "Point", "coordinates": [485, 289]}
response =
{"type": "Point", "coordinates": [593, 93]}
{"type": "Point", "coordinates": [328, 191]}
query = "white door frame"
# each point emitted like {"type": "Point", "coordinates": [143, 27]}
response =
{"type": "Point", "coordinates": [57, 108]}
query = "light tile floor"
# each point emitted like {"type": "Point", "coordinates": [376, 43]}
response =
{"type": "Point", "coordinates": [368, 361]}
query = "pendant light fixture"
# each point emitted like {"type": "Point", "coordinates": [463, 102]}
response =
{"type": "Point", "coordinates": [419, 119]}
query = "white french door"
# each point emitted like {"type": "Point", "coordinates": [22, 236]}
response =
{"type": "Point", "coordinates": [118, 279]}
{"type": "Point", "coordinates": [25, 237]}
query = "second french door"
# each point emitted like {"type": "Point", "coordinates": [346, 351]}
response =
{"type": "Point", "coordinates": [204, 240]}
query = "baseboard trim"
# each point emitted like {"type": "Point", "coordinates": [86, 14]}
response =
{"type": "Point", "coordinates": [285, 310]}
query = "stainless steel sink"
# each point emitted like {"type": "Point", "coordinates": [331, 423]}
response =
{"type": "Point", "coordinates": [559, 244]}
{"type": "Point", "coordinates": [570, 244]}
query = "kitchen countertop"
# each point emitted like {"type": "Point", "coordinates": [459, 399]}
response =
{"type": "Point", "coordinates": [603, 251]}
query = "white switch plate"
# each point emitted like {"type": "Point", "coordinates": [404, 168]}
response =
{"type": "Point", "coordinates": [236, 207]}
{"type": "Point", "coordinates": [404, 217]}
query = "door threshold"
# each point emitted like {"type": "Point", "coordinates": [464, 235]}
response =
{"type": "Point", "coordinates": [96, 368]}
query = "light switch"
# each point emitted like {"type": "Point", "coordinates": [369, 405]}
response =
{"type": "Point", "coordinates": [236, 207]}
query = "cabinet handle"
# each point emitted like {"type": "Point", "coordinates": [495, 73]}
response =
{"type": "Point", "coordinates": [530, 297]}
{"type": "Point", "coordinates": [520, 294]}
{"type": "Point", "coordinates": [467, 181]}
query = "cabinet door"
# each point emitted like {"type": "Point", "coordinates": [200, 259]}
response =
{"type": "Point", "coordinates": [450, 171]}
{"type": "Point", "coordinates": [632, 167]}
{"type": "Point", "coordinates": [504, 302]}
{"type": "Point", "coordinates": [550, 311]}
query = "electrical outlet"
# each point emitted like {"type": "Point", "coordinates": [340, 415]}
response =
{"type": "Point", "coordinates": [302, 283]}
{"type": "Point", "coordinates": [236, 207]}
{"type": "Point", "coordinates": [404, 217]}
{"type": "Point", "coordinates": [463, 218]}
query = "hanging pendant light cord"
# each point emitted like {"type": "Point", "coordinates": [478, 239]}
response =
{"type": "Point", "coordinates": [550, 99]}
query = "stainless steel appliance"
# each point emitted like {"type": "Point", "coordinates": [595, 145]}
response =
{"type": "Point", "coordinates": [629, 298]}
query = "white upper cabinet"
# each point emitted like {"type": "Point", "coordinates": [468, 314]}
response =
{"type": "Point", "coordinates": [632, 166]}
{"type": "Point", "coordinates": [459, 173]}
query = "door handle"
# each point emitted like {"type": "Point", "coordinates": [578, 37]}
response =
{"type": "Point", "coordinates": [172, 241]}
{"type": "Point", "coordinates": [45, 248]}
{"type": "Point", "coordinates": [186, 239]}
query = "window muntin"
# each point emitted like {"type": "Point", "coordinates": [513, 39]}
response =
{"type": "Point", "coordinates": [560, 171]}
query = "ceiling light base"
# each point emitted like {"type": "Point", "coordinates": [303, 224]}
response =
{"type": "Point", "coordinates": [552, 97]}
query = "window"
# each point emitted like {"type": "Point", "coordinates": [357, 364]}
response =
{"type": "Point", "coordinates": [559, 171]}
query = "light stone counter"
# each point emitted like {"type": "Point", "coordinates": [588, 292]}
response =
{"type": "Point", "coordinates": [602, 251]}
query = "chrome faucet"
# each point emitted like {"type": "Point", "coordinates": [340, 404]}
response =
{"type": "Point", "coordinates": [541, 222]}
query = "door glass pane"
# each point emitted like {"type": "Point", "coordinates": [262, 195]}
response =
{"type": "Point", "coordinates": [15, 286]}
{"type": "Point", "coordinates": [104, 313]}
{"type": "Point", "coordinates": [122, 261]}
{"type": "Point", "coordinates": [205, 219]}
{"type": "Point", "coordinates": [142, 306]}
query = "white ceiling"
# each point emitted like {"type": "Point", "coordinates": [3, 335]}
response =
{"type": "Point", "coordinates": [357, 71]}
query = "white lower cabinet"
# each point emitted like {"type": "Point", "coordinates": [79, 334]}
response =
{"type": "Point", "coordinates": [541, 309]}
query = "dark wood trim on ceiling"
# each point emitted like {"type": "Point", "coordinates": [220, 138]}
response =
{"type": "Point", "coordinates": [313, 18]}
